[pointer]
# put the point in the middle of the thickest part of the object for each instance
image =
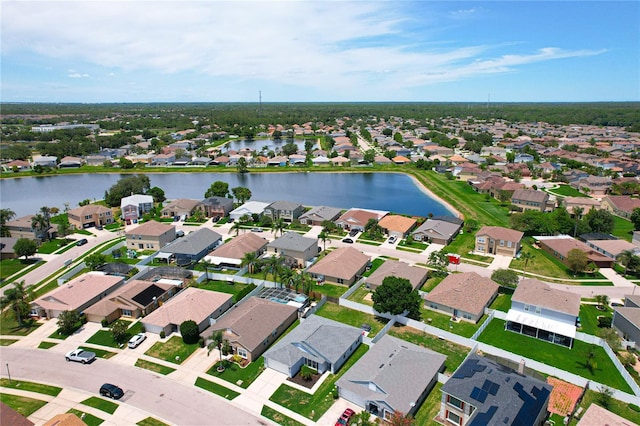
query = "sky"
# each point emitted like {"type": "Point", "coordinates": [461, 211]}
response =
{"type": "Point", "coordinates": [319, 51]}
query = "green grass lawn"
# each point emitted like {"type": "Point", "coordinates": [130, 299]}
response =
{"type": "Point", "coordinates": [545, 264]}
{"type": "Point", "coordinates": [22, 404]}
{"type": "Point", "coordinates": [589, 318]}
{"type": "Point", "coordinates": [172, 348]}
{"type": "Point", "coordinates": [360, 294]}
{"type": "Point", "coordinates": [9, 267]}
{"type": "Point", "coordinates": [7, 342]}
{"type": "Point", "coordinates": [99, 352]}
{"type": "Point", "coordinates": [152, 366]}
{"type": "Point", "coordinates": [46, 345]}
{"type": "Point", "coordinates": [567, 191]}
{"type": "Point", "coordinates": [443, 322]}
{"type": "Point", "coordinates": [572, 360]}
{"type": "Point", "coordinates": [237, 375]}
{"type": "Point", "coordinates": [51, 246]}
{"type": "Point", "coordinates": [216, 388]}
{"type": "Point", "coordinates": [89, 419]}
{"type": "Point", "coordinates": [622, 228]}
{"type": "Point", "coordinates": [150, 421]}
{"type": "Point", "coordinates": [103, 338]}
{"type": "Point", "coordinates": [455, 353]}
{"type": "Point", "coordinates": [278, 417]}
{"type": "Point", "coordinates": [431, 283]}
{"type": "Point", "coordinates": [223, 286]}
{"type": "Point", "coordinates": [351, 317]}
{"type": "Point", "coordinates": [31, 387]}
{"type": "Point", "coordinates": [502, 302]}
{"type": "Point", "coordinates": [9, 324]}
{"type": "Point", "coordinates": [375, 264]}
{"type": "Point", "coordinates": [101, 404]}
{"type": "Point", "coordinates": [618, 407]}
{"type": "Point", "coordinates": [429, 408]}
{"type": "Point", "coordinates": [314, 406]}
{"type": "Point", "coordinates": [413, 244]}
{"type": "Point", "coordinates": [331, 290]}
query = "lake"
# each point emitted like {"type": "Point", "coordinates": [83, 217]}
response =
{"type": "Point", "coordinates": [381, 191]}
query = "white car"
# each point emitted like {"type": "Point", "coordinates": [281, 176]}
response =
{"type": "Point", "coordinates": [392, 239]}
{"type": "Point", "coordinates": [135, 341]}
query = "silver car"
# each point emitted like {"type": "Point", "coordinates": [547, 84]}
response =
{"type": "Point", "coordinates": [135, 341]}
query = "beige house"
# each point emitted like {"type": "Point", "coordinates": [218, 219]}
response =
{"type": "Point", "coordinates": [342, 266]}
{"type": "Point", "coordinates": [201, 306]}
{"type": "Point", "coordinates": [252, 326]}
{"type": "Point", "coordinates": [134, 299]}
{"type": "Point", "coordinates": [90, 215]}
{"type": "Point", "coordinates": [584, 203]}
{"type": "Point", "coordinates": [396, 225]}
{"type": "Point", "coordinates": [76, 295]}
{"type": "Point", "coordinates": [293, 248]}
{"type": "Point", "coordinates": [21, 228]}
{"type": "Point", "coordinates": [463, 296]}
{"type": "Point", "coordinates": [231, 253]}
{"type": "Point", "coordinates": [529, 199]}
{"type": "Point", "coordinates": [498, 240]}
{"type": "Point", "coordinates": [417, 276]}
{"type": "Point", "coordinates": [620, 205]}
{"type": "Point", "coordinates": [178, 208]}
{"type": "Point", "coordinates": [150, 235]}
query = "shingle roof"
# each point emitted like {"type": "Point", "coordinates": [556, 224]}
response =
{"type": "Point", "coordinates": [151, 229]}
{"type": "Point", "coordinates": [624, 202]}
{"type": "Point", "coordinates": [293, 241]}
{"type": "Point", "coordinates": [342, 263]}
{"type": "Point", "coordinates": [598, 416]}
{"type": "Point", "coordinates": [437, 228]}
{"type": "Point", "coordinates": [284, 205]}
{"type": "Point", "coordinates": [397, 223]}
{"type": "Point", "coordinates": [77, 292]}
{"type": "Point", "coordinates": [317, 338]}
{"type": "Point", "coordinates": [181, 204]}
{"type": "Point", "coordinates": [239, 246]}
{"type": "Point", "coordinates": [391, 268]}
{"type": "Point", "coordinates": [190, 304]}
{"type": "Point", "coordinates": [394, 371]}
{"type": "Point", "coordinates": [529, 195]}
{"type": "Point", "coordinates": [500, 233]}
{"type": "Point", "coordinates": [321, 213]}
{"type": "Point", "coordinates": [192, 243]}
{"type": "Point", "coordinates": [89, 209]}
{"type": "Point", "coordinates": [534, 292]}
{"type": "Point", "coordinates": [468, 292]}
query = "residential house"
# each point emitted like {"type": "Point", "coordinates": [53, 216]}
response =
{"type": "Point", "coordinates": [232, 253]}
{"type": "Point", "coordinates": [76, 295]}
{"type": "Point", "coordinates": [70, 162]}
{"type": "Point", "coordinates": [598, 416]}
{"type": "Point", "coordinates": [44, 161]}
{"type": "Point", "coordinates": [22, 228]}
{"type": "Point", "coordinates": [215, 206]}
{"type": "Point", "coordinates": [417, 276]}
{"type": "Point", "coordinates": [612, 247]}
{"type": "Point", "coordinates": [626, 319]}
{"type": "Point", "coordinates": [343, 266]}
{"type": "Point", "coordinates": [11, 417]}
{"type": "Point", "coordinates": [134, 299]}
{"type": "Point", "coordinates": [6, 248]}
{"type": "Point", "coordinates": [483, 392]}
{"type": "Point", "coordinates": [135, 206]}
{"type": "Point", "coordinates": [319, 214]}
{"type": "Point", "coordinates": [584, 203]}
{"type": "Point", "coordinates": [321, 160]}
{"type": "Point", "coordinates": [635, 239]}
{"type": "Point", "coordinates": [543, 312]}
{"type": "Point", "coordinates": [319, 343]}
{"type": "Point", "coordinates": [620, 205]}
{"type": "Point", "coordinates": [16, 165]}
{"type": "Point", "coordinates": [356, 219]}
{"type": "Point", "coordinates": [182, 207]}
{"type": "Point", "coordinates": [559, 247]}
{"type": "Point", "coordinates": [285, 210]}
{"type": "Point", "coordinates": [163, 159]}
{"type": "Point", "coordinates": [192, 247]}
{"type": "Point", "coordinates": [596, 186]}
{"type": "Point", "coordinates": [438, 230]}
{"type": "Point", "coordinates": [498, 240]}
{"type": "Point", "coordinates": [396, 225]}
{"type": "Point", "coordinates": [463, 296]}
{"type": "Point", "coordinates": [393, 376]}
{"type": "Point", "coordinates": [294, 248]}
{"type": "Point", "coordinates": [150, 235]}
{"type": "Point", "coordinates": [250, 208]}
{"type": "Point", "coordinates": [201, 306]}
{"type": "Point", "coordinates": [530, 199]}
{"type": "Point", "coordinates": [253, 325]}
{"type": "Point", "coordinates": [90, 215]}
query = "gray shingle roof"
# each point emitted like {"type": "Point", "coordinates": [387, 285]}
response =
{"type": "Point", "coordinates": [321, 213]}
{"type": "Point", "coordinates": [293, 241]}
{"type": "Point", "coordinates": [284, 205]}
{"type": "Point", "coordinates": [192, 243]}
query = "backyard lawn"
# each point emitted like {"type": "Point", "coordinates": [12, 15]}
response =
{"type": "Point", "coordinates": [360, 294]}
{"type": "Point", "coordinates": [573, 360]}
{"type": "Point", "coordinates": [237, 375]}
{"type": "Point", "coordinates": [429, 408]}
{"type": "Point", "coordinates": [618, 407]}
{"type": "Point", "coordinates": [173, 350]}
{"type": "Point", "coordinates": [589, 318]}
{"type": "Point", "coordinates": [455, 353]}
{"type": "Point", "coordinates": [501, 303]}
{"type": "Point", "coordinates": [443, 322]}
{"type": "Point", "coordinates": [352, 317]}
{"type": "Point", "coordinates": [230, 287]}
{"type": "Point", "coordinates": [314, 406]}
{"type": "Point", "coordinates": [331, 290]}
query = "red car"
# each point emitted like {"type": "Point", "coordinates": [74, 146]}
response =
{"type": "Point", "coordinates": [345, 417]}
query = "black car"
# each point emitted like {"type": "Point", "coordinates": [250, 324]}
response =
{"type": "Point", "coordinates": [347, 240]}
{"type": "Point", "coordinates": [111, 391]}
{"type": "Point", "coordinates": [82, 242]}
{"type": "Point", "coordinates": [353, 232]}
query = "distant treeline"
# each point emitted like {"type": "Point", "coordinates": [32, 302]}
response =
{"type": "Point", "coordinates": [179, 116]}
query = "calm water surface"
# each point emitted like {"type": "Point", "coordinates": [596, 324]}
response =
{"type": "Point", "coordinates": [383, 191]}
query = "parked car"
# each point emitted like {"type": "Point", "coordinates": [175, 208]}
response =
{"type": "Point", "coordinates": [392, 239]}
{"type": "Point", "coordinates": [256, 229]}
{"type": "Point", "coordinates": [353, 232]}
{"type": "Point", "coordinates": [111, 391]}
{"type": "Point", "coordinates": [135, 341]}
{"type": "Point", "coordinates": [179, 233]}
{"type": "Point", "coordinates": [81, 242]}
{"type": "Point", "coordinates": [347, 240]}
{"type": "Point", "coordinates": [80, 355]}
{"type": "Point", "coordinates": [345, 418]}
{"type": "Point", "coordinates": [365, 327]}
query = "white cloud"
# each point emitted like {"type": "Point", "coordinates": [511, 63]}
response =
{"type": "Point", "coordinates": [73, 74]}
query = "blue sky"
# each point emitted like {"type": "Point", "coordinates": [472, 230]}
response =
{"type": "Point", "coordinates": [319, 51]}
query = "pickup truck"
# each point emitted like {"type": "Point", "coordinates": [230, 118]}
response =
{"type": "Point", "coordinates": [80, 355]}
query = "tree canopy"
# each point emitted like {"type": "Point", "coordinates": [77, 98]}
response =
{"type": "Point", "coordinates": [126, 186]}
{"type": "Point", "coordinates": [395, 296]}
{"type": "Point", "coordinates": [217, 189]}
{"type": "Point", "coordinates": [25, 247]}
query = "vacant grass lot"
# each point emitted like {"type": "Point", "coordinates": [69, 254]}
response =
{"type": "Point", "coordinates": [351, 317]}
{"type": "Point", "coordinates": [455, 353]}
{"type": "Point", "coordinates": [233, 373]}
{"type": "Point", "coordinates": [572, 360]}
{"type": "Point", "coordinates": [622, 228]}
{"type": "Point", "coordinates": [567, 191]}
{"type": "Point", "coordinates": [314, 406]}
{"type": "Point", "coordinates": [152, 366]}
{"type": "Point", "coordinates": [30, 386]}
{"type": "Point", "coordinates": [101, 404]}
{"type": "Point", "coordinates": [22, 404]}
{"type": "Point", "coordinates": [216, 388]}
{"type": "Point", "coordinates": [545, 264]}
{"type": "Point", "coordinates": [172, 348]}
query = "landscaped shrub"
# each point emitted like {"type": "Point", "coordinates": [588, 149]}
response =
{"type": "Point", "coordinates": [242, 293]}
{"type": "Point", "coordinates": [306, 373]}
{"type": "Point", "coordinates": [104, 322]}
{"type": "Point", "coordinates": [189, 331]}
{"type": "Point", "coordinates": [634, 407]}
{"type": "Point", "coordinates": [604, 322]}
{"type": "Point", "coordinates": [162, 334]}
{"type": "Point", "coordinates": [201, 342]}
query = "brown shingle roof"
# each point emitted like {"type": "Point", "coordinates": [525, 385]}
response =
{"type": "Point", "coordinates": [89, 209]}
{"type": "Point", "coordinates": [397, 223]}
{"type": "Point", "coordinates": [77, 292]}
{"type": "Point", "coordinates": [500, 233]}
{"type": "Point", "coordinates": [529, 195]}
{"type": "Point", "coordinates": [151, 228]}
{"type": "Point", "coordinates": [341, 263]}
{"type": "Point", "coordinates": [239, 246]}
{"type": "Point", "coordinates": [190, 304]}
{"type": "Point", "coordinates": [564, 245]}
{"type": "Point", "coordinates": [534, 292]}
{"type": "Point", "coordinates": [468, 292]}
{"type": "Point", "coordinates": [624, 202]}
{"type": "Point", "coordinates": [391, 268]}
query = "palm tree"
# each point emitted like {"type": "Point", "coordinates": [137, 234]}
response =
{"type": "Point", "coordinates": [217, 339]}
{"type": "Point", "coordinates": [271, 265]}
{"type": "Point", "coordinates": [277, 225]}
{"type": "Point", "coordinates": [307, 282]}
{"type": "Point", "coordinates": [40, 226]}
{"type": "Point", "coordinates": [577, 214]}
{"type": "Point", "coordinates": [602, 300]}
{"type": "Point", "coordinates": [626, 259]}
{"type": "Point", "coordinates": [526, 257]}
{"type": "Point", "coordinates": [324, 237]}
{"type": "Point", "coordinates": [19, 297]}
{"type": "Point", "coordinates": [249, 260]}
{"type": "Point", "coordinates": [5, 216]}
{"type": "Point", "coordinates": [236, 227]}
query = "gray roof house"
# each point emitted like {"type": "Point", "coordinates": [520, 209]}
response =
{"type": "Point", "coordinates": [285, 210]}
{"type": "Point", "coordinates": [215, 206]}
{"type": "Point", "coordinates": [394, 375]}
{"type": "Point", "coordinates": [482, 392]}
{"type": "Point", "coordinates": [392, 268]}
{"type": "Point", "coordinates": [318, 342]}
{"type": "Point", "coordinates": [249, 208]}
{"type": "Point", "coordinates": [319, 214]}
{"type": "Point", "coordinates": [294, 248]}
{"type": "Point", "coordinates": [438, 231]}
{"type": "Point", "coordinates": [192, 247]}
{"type": "Point", "coordinates": [626, 319]}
